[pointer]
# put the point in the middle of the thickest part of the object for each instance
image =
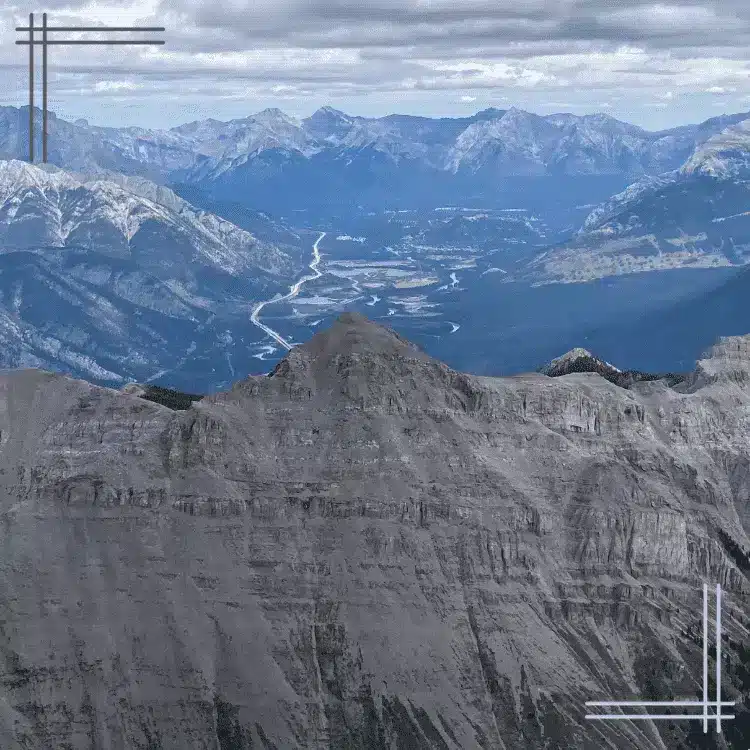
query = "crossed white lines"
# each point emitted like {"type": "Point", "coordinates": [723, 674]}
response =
{"type": "Point", "coordinates": [705, 704]}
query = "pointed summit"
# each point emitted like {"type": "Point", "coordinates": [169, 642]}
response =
{"type": "Point", "coordinates": [270, 112]}
{"type": "Point", "coordinates": [328, 123]}
{"type": "Point", "coordinates": [361, 361]}
{"type": "Point", "coordinates": [514, 111]}
{"type": "Point", "coordinates": [272, 115]}
{"type": "Point", "coordinates": [520, 118]}
{"type": "Point", "coordinates": [328, 113]}
{"type": "Point", "coordinates": [332, 111]}
{"type": "Point", "coordinates": [353, 333]}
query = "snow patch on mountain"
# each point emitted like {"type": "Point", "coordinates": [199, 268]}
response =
{"type": "Point", "coordinates": [50, 207]}
{"type": "Point", "coordinates": [619, 203]}
{"type": "Point", "coordinates": [725, 155]}
{"type": "Point", "coordinates": [510, 142]}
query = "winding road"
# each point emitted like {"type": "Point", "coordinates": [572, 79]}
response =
{"type": "Point", "coordinates": [294, 290]}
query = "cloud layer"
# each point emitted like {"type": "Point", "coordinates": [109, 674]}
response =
{"type": "Point", "coordinates": [645, 61]}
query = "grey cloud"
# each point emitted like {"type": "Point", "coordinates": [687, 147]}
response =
{"type": "Point", "coordinates": [394, 23]}
{"type": "Point", "coordinates": [68, 7]}
{"type": "Point", "coordinates": [213, 25]}
{"type": "Point", "coordinates": [354, 47]}
{"type": "Point", "coordinates": [301, 14]}
{"type": "Point", "coordinates": [515, 28]}
{"type": "Point", "coordinates": [320, 73]}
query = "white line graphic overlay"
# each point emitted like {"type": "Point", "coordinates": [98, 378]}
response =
{"type": "Point", "coordinates": [705, 704]}
{"type": "Point", "coordinates": [718, 657]}
{"type": "Point", "coordinates": [705, 658]}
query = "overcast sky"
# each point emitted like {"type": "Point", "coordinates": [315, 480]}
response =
{"type": "Point", "coordinates": [656, 65]}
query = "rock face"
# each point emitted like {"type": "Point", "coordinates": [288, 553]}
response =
{"type": "Point", "coordinates": [679, 219]}
{"type": "Point", "coordinates": [580, 360]}
{"type": "Point", "coordinates": [366, 549]}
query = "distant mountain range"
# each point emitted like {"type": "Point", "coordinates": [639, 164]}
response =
{"type": "Point", "coordinates": [270, 159]}
{"type": "Point", "coordinates": [688, 221]}
{"type": "Point", "coordinates": [695, 216]}
{"type": "Point", "coordinates": [366, 547]}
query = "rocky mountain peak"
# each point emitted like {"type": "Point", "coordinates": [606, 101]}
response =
{"type": "Point", "coordinates": [353, 333]}
{"type": "Point", "coordinates": [724, 155]}
{"type": "Point", "coordinates": [362, 364]}
{"type": "Point", "coordinates": [272, 116]}
{"type": "Point", "coordinates": [581, 360]}
{"type": "Point", "coordinates": [577, 360]}
{"type": "Point", "coordinates": [329, 112]}
{"type": "Point", "coordinates": [366, 556]}
{"type": "Point", "coordinates": [727, 361]}
{"type": "Point", "coordinates": [352, 338]}
{"type": "Point", "coordinates": [520, 118]}
{"type": "Point", "coordinates": [328, 123]}
{"type": "Point", "coordinates": [15, 173]}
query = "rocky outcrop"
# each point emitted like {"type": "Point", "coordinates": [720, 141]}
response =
{"type": "Point", "coordinates": [366, 549]}
{"type": "Point", "coordinates": [582, 360]}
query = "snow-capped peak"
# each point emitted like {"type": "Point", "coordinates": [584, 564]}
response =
{"type": "Point", "coordinates": [331, 112]}
{"type": "Point", "coordinates": [15, 174]}
{"type": "Point", "coordinates": [274, 116]}
{"type": "Point", "coordinates": [617, 203]}
{"type": "Point", "coordinates": [570, 356]}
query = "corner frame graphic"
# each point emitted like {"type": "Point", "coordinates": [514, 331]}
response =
{"type": "Point", "coordinates": [45, 42]}
{"type": "Point", "coordinates": [705, 704]}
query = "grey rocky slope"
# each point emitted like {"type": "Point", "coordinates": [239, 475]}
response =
{"type": "Point", "coordinates": [48, 207]}
{"type": "Point", "coordinates": [677, 220]}
{"type": "Point", "coordinates": [367, 549]}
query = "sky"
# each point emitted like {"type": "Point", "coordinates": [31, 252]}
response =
{"type": "Point", "coordinates": [657, 65]}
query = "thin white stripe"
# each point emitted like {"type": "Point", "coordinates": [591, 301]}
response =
{"type": "Point", "coordinates": [705, 704]}
{"type": "Point", "coordinates": [650, 717]}
{"type": "Point", "coordinates": [658, 703]}
{"type": "Point", "coordinates": [718, 656]}
{"type": "Point", "coordinates": [705, 658]}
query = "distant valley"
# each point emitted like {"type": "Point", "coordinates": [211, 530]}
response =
{"type": "Point", "coordinates": [495, 241]}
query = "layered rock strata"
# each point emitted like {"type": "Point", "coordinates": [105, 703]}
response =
{"type": "Point", "coordinates": [366, 549]}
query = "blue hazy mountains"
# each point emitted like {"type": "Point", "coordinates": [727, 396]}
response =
{"type": "Point", "coordinates": [116, 279]}
{"type": "Point", "coordinates": [496, 241]}
{"type": "Point", "coordinates": [270, 159]}
{"type": "Point", "coordinates": [696, 216]}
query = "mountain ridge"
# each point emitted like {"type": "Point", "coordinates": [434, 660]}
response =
{"type": "Point", "coordinates": [115, 276]}
{"type": "Point", "coordinates": [186, 146]}
{"type": "Point", "coordinates": [429, 560]}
